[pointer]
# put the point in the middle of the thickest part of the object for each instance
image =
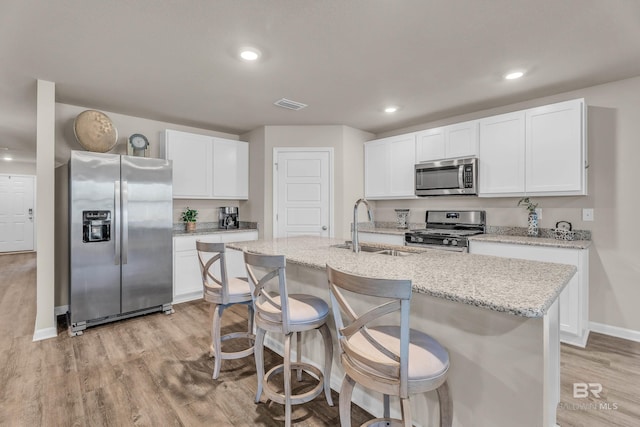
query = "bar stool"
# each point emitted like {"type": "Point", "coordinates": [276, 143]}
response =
{"type": "Point", "coordinates": [388, 358]}
{"type": "Point", "coordinates": [279, 311]}
{"type": "Point", "coordinates": [222, 292]}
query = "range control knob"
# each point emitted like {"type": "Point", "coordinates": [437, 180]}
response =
{"type": "Point", "coordinates": [445, 242]}
{"type": "Point", "coordinates": [454, 242]}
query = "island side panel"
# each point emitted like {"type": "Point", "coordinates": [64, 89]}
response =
{"type": "Point", "coordinates": [498, 372]}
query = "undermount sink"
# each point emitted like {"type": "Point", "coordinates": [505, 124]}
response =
{"type": "Point", "coordinates": [374, 250]}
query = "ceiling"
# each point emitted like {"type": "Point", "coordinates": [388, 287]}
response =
{"type": "Point", "coordinates": [176, 61]}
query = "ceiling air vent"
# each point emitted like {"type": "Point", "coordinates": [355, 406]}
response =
{"type": "Point", "coordinates": [289, 104]}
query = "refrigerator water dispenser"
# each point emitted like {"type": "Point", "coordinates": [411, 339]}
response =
{"type": "Point", "coordinates": [96, 226]}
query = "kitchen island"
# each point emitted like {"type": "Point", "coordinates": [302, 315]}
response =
{"type": "Point", "coordinates": [498, 318]}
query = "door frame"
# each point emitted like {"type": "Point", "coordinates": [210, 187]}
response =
{"type": "Point", "coordinates": [274, 201]}
{"type": "Point", "coordinates": [35, 208]}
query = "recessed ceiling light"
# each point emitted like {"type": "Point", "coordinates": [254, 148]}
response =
{"type": "Point", "coordinates": [249, 54]}
{"type": "Point", "coordinates": [514, 75]}
{"type": "Point", "coordinates": [391, 109]}
{"type": "Point", "coordinates": [7, 158]}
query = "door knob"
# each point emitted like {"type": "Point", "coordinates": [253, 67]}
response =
{"type": "Point", "coordinates": [324, 227]}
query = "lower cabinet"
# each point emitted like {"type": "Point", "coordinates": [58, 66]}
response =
{"type": "Point", "coordinates": [187, 281]}
{"type": "Point", "coordinates": [389, 239]}
{"type": "Point", "coordinates": [574, 299]}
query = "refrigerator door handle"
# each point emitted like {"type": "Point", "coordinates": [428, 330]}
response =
{"type": "Point", "coordinates": [125, 221]}
{"type": "Point", "coordinates": [116, 221]}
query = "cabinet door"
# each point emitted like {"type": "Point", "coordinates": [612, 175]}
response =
{"type": "Point", "coordinates": [502, 149]}
{"type": "Point", "coordinates": [402, 158]}
{"type": "Point", "coordinates": [230, 169]}
{"type": "Point", "coordinates": [461, 140]}
{"type": "Point", "coordinates": [191, 156]}
{"type": "Point", "coordinates": [376, 169]}
{"type": "Point", "coordinates": [555, 149]}
{"type": "Point", "coordinates": [187, 281]}
{"type": "Point", "coordinates": [430, 145]}
{"type": "Point", "coordinates": [573, 300]}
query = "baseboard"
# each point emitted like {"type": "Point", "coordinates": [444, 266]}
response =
{"type": "Point", "coordinates": [573, 340]}
{"type": "Point", "coordinates": [43, 334]}
{"type": "Point", "coordinates": [61, 309]}
{"type": "Point", "coordinates": [615, 331]}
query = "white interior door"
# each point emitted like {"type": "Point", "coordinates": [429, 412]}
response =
{"type": "Point", "coordinates": [302, 190]}
{"type": "Point", "coordinates": [16, 213]}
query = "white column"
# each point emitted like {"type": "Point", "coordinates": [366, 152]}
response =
{"type": "Point", "coordinates": [45, 192]}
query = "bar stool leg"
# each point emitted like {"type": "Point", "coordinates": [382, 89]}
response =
{"type": "Point", "coordinates": [299, 354]}
{"type": "Point", "coordinates": [287, 379]}
{"type": "Point", "coordinates": [259, 355]}
{"type": "Point", "coordinates": [446, 405]}
{"type": "Point", "coordinates": [345, 401]}
{"type": "Point", "coordinates": [386, 412]}
{"type": "Point", "coordinates": [406, 411]}
{"type": "Point", "coordinates": [215, 340]}
{"type": "Point", "coordinates": [328, 361]}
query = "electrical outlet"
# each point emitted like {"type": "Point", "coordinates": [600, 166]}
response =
{"type": "Point", "coordinates": [587, 214]}
{"type": "Point", "coordinates": [539, 212]}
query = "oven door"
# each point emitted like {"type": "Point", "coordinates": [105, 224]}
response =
{"type": "Point", "coordinates": [446, 177]}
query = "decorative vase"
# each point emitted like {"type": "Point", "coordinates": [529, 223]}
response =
{"type": "Point", "coordinates": [190, 226]}
{"type": "Point", "coordinates": [533, 225]}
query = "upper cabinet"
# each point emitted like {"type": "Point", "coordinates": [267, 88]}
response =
{"type": "Point", "coordinates": [458, 140]}
{"type": "Point", "coordinates": [230, 169]}
{"type": "Point", "coordinates": [389, 167]}
{"type": "Point", "coordinates": [556, 148]}
{"type": "Point", "coordinates": [539, 151]}
{"type": "Point", "coordinates": [502, 147]}
{"type": "Point", "coordinates": [206, 167]}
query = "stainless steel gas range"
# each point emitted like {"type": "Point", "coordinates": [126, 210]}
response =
{"type": "Point", "coordinates": [448, 230]}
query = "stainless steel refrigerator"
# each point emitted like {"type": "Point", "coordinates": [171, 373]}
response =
{"type": "Point", "coordinates": [120, 222]}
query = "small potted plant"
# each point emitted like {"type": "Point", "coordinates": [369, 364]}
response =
{"type": "Point", "coordinates": [189, 217]}
{"type": "Point", "coordinates": [532, 219]}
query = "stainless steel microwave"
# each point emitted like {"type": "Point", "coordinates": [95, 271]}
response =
{"type": "Point", "coordinates": [447, 177]}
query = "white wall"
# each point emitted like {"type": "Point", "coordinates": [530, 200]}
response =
{"type": "Point", "coordinates": [17, 168]}
{"type": "Point", "coordinates": [614, 150]}
{"type": "Point", "coordinates": [348, 167]}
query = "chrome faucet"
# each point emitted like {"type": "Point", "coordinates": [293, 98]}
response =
{"type": "Point", "coordinates": [355, 244]}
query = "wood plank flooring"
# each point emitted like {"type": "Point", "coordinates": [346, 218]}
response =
{"type": "Point", "coordinates": [155, 371]}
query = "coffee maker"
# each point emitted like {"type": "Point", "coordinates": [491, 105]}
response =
{"type": "Point", "coordinates": [228, 217]}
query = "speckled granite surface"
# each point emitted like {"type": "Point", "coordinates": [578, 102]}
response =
{"type": "Point", "coordinates": [523, 288]}
{"type": "Point", "coordinates": [532, 241]}
{"type": "Point", "coordinates": [387, 227]}
{"type": "Point", "coordinates": [211, 227]}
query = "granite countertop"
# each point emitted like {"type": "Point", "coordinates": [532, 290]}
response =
{"type": "Point", "coordinates": [211, 230]}
{"type": "Point", "coordinates": [532, 241]}
{"type": "Point", "coordinates": [519, 287]}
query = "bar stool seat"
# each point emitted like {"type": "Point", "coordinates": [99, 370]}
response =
{"type": "Point", "coordinates": [222, 292]}
{"type": "Point", "coordinates": [280, 312]}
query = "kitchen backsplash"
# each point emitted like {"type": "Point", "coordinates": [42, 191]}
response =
{"type": "Point", "coordinates": [207, 209]}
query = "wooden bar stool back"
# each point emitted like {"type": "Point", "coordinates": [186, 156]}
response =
{"type": "Point", "coordinates": [223, 291]}
{"type": "Point", "coordinates": [281, 312]}
{"type": "Point", "coordinates": [380, 354]}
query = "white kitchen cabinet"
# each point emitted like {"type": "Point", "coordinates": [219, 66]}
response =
{"type": "Point", "coordinates": [540, 151]}
{"type": "Point", "coordinates": [206, 167]}
{"type": "Point", "coordinates": [187, 281]}
{"type": "Point", "coordinates": [574, 299]}
{"type": "Point", "coordinates": [191, 155]}
{"type": "Point", "coordinates": [388, 239]}
{"type": "Point", "coordinates": [447, 142]}
{"type": "Point", "coordinates": [230, 169]}
{"type": "Point", "coordinates": [389, 167]}
{"type": "Point", "coordinates": [502, 149]}
{"type": "Point", "coordinates": [556, 149]}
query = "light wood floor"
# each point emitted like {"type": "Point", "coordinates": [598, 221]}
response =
{"type": "Point", "coordinates": [154, 371]}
